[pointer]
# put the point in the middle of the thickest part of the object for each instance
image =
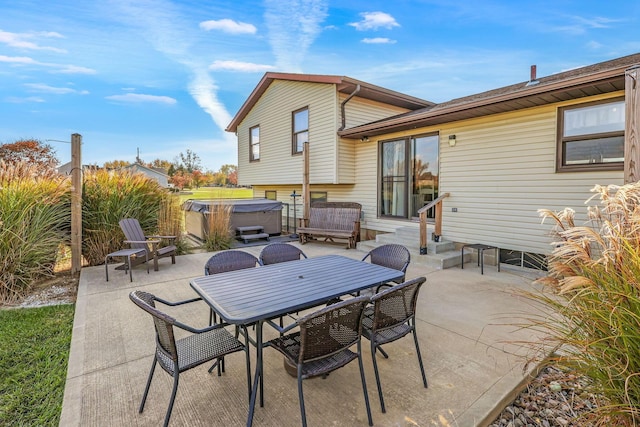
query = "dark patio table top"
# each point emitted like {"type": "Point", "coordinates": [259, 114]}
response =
{"type": "Point", "coordinates": [261, 293]}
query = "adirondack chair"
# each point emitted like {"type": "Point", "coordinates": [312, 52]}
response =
{"type": "Point", "coordinates": [136, 239]}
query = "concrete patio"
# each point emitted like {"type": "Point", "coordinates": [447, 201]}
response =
{"type": "Point", "coordinates": [465, 327]}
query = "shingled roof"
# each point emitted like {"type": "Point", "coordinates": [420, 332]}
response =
{"type": "Point", "coordinates": [604, 77]}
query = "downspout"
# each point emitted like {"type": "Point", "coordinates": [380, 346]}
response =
{"type": "Point", "coordinates": [342, 107]}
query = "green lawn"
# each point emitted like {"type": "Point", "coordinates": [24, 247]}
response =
{"type": "Point", "coordinates": [33, 364]}
{"type": "Point", "coordinates": [205, 193]}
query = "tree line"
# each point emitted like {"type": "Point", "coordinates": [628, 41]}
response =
{"type": "Point", "coordinates": [184, 171]}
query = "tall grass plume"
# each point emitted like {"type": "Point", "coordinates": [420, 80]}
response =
{"type": "Point", "coordinates": [593, 287]}
{"type": "Point", "coordinates": [218, 236]}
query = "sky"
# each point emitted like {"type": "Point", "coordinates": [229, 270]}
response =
{"type": "Point", "coordinates": [159, 77]}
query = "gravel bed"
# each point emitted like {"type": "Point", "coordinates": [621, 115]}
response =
{"type": "Point", "coordinates": [555, 398]}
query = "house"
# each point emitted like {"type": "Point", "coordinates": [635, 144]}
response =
{"type": "Point", "coordinates": [499, 155]}
{"type": "Point", "coordinates": [154, 173]}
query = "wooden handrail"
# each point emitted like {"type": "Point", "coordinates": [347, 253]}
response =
{"type": "Point", "coordinates": [422, 213]}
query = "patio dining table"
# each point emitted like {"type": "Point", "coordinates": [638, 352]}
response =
{"type": "Point", "coordinates": [256, 295]}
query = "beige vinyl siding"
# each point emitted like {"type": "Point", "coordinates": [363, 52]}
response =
{"type": "Point", "coordinates": [358, 111]}
{"type": "Point", "coordinates": [272, 112]}
{"type": "Point", "coordinates": [501, 171]}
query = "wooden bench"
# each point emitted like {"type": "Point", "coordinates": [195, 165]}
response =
{"type": "Point", "coordinates": [332, 220]}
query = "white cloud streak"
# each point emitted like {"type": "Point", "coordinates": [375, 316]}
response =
{"type": "Point", "coordinates": [378, 40]}
{"type": "Point", "coordinates": [374, 21]}
{"type": "Point", "coordinates": [138, 98]}
{"type": "Point", "coordinates": [41, 87]}
{"type": "Point", "coordinates": [229, 26]}
{"type": "Point", "coordinates": [243, 67]}
{"type": "Point", "coordinates": [54, 68]}
{"type": "Point", "coordinates": [159, 22]}
{"type": "Point", "coordinates": [293, 26]}
{"type": "Point", "coordinates": [23, 40]}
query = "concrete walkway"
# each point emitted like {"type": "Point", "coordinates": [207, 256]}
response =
{"type": "Point", "coordinates": [466, 327]}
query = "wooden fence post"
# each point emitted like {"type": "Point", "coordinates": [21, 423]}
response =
{"type": "Point", "coordinates": [76, 204]}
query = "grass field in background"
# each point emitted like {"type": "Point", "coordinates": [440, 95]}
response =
{"type": "Point", "coordinates": [205, 193]}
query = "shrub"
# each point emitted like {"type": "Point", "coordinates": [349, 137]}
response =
{"type": "Point", "coordinates": [594, 276]}
{"type": "Point", "coordinates": [218, 235]}
{"type": "Point", "coordinates": [109, 197]}
{"type": "Point", "coordinates": [35, 218]}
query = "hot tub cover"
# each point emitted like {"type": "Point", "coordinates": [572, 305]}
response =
{"type": "Point", "coordinates": [238, 205]}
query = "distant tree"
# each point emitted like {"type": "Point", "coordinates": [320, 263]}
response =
{"type": "Point", "coordinates": [159, 163]}
{"type": "Point", "coordinates": [172, 170]}
{"type": "Point", "coordinates": [116, 164]}
{"type": "Point", "coordinates": [179, 179]}
{"type": "Point", "coordinates": [189, 161]}
{"type": "Point", "coordinates": [228, 169]}
{"type": "Point", "coordinates": [197, 178]}
{"type": "Point", "coordinates": [31, 151]}
{"type": "Point", "coordinates": [233, 178]}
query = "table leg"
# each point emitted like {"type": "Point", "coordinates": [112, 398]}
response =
{"type": "Point", "coordinates": [481, 260]}
{"type": "Point", "coordinates": [257, 379]}
{"type": "Point", "coordinates": [106, 266]}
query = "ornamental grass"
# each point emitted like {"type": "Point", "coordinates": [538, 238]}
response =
{"type": "Point", "coordinates": [593, 289]}
{"type": "Point", "coordinates": [218, 236]}
{"type": "Point", "coordinates": [108, 197]}
{"type": "Point", "coordinates": [35, 219]}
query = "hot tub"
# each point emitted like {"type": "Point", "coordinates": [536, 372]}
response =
{"type": "Point", "coordinates": [244, 212]}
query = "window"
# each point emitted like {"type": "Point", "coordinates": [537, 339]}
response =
{"type": "Point", "coordinates": [270, 195]}
{"type": "Point", "coordinates": [300, 130]}
{"type": "Point", "coordinates": [254, 143]}
{"type": "Point", "coordinates": [318, 196]}
{"type": "Point", "coordinates": [591, 137]}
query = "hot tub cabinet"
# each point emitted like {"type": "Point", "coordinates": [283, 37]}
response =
{"type": "Point", "coordinates": [244, 213]}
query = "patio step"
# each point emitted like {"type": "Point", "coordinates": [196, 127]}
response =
{"type": "Point", "coordinates": [442, 254]}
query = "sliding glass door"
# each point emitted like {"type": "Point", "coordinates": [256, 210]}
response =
{"type": "Point", "coordinates": [408, 175]}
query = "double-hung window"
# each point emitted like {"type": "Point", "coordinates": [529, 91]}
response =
{"type": "Point", "coordinates": [591, 136]}
{"type": "Point", "coordinates": [254, 143]}
{"type": "Point", "coordinates": [300, 130]}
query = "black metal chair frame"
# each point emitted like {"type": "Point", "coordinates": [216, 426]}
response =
{"type": "Point", "coordinates": [323, 344]}
{"type": "Point", "coordinates": [277, 252]}
{"type": "Point", "coordinates": [391, 317]}
{"type": "Point", "coordinates": [390, 255]}
{"type": "Point", "coordinates": [176, 356]}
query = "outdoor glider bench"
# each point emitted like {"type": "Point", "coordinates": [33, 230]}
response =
{"type": "Point", "coordinates": [332, 220]}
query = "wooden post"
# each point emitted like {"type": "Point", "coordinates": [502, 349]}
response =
{"type": "Point", "coordinates": [632, 126]}
{"type": "Point", "coordinates": [76, 204]}
{"type": "Point", "coordinates": [306, 193]}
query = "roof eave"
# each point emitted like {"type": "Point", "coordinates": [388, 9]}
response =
{"type": "Point", "coordinates": [434, 115]}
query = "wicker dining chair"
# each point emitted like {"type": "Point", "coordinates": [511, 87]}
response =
{"type": "Point", "coordinates": [323, 344]}
{"type": "Point", "coordinates": [390, 255]}
{"type": "Point", "coordinates": [391, 317]}
{"type": "Point", "coordinates": [178, 355]}
{"type": "Point", "coordinates": [280, 252]}
{"type": "Point", "coordinates": [230, 260]}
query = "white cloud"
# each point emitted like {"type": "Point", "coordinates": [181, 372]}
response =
{"type": "Point", "coordinates": [41, 87]}
{"type": "Point", "coordinates": [16, 100]}
{"type": "Point", "coordinates": [243, 67]}
{"type": "Point", "coordinates": [579, 25]}
{"type": "Point", "coordinates": [293, 26]}
{"type": "Point", "coordinates": [18, 59]}
{"type": "Point", "coordinates": [23, 40]}
{"type": "Point", "coordinates": [378, 40]}
{"type": "Point", "coordinates": [229, 26]}
{"type": "Point", "coordinates": [140, 98]}
{"type": "Point", "coordinates": [74, 69]}
{"type": "Point", "coordinates": [374, 21]}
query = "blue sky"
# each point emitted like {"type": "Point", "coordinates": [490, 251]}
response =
{"type": "Point", "coordinates": [166, 76]}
